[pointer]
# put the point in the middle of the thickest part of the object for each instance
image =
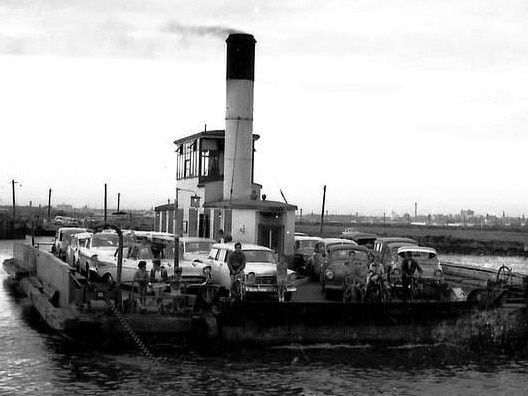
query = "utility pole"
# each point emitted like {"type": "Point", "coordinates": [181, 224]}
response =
{"type": "Point", "coordinates": [416, 211]}
{"type": "Point", "coordinates": [105, 205]}
{"type": "Point", "coordinates": [13, 182]}
{"type": "Point", "coordinates": [49, 204]}
{"type": "Point", "coordinates": [322, 210]}
{"type": "Point", "coordinates": [177, 268]}
{"type": "Point", "coordinates": [118, 201]}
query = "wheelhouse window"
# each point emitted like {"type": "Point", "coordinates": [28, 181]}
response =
{"type": "Point", "coordinates": [199, 158]}
{"type": "Point", "coordinates": [187, 160]}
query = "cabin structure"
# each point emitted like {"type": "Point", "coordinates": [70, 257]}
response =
{"type": "Point", "coordinates": [215, 188]}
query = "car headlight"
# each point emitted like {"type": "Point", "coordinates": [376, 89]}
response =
{"type": "Point", "coordinates": [329, 274]}
{"type": "Point", "coordinates": [396, 272]}
{"type": "Point", "coordinates": [250, 278]}
{"type": "Point", "coordinates": [292, 277]}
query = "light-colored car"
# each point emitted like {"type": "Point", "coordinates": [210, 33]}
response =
{"type": "Point", "coordinates": [315, 262]}
{"type": "Point", "coordinates": [303, 250]}
{"type": "Point", "coordinates": [62, 240]}
{"type": "Point", "coordinates": [99, 246]}
{"type": "Point", "coordinates": [341, 261]}
{"type": "Point", "coordinates": [260, 271]}
{"type": "Point", "coordinates": [133, 253]}
{"type": "Point", "coordinates": [387, 249]}
{"type": "Point", "coordinates": [431, 280]}
{"type": "Point", "coordinates": [77, 242]}
{"type": "Point", "coordinates": [192, 254]}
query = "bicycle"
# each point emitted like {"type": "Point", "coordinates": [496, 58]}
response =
{"type": "Point", "coordinates": [238, 286]}
{"type": "Point", "coordinates": [410, 290]}
{"type": "Point", "coordinates": [352, 291]}
{"type": "Point", "coordinates": [376, 290]}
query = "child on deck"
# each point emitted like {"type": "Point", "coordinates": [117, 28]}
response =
{"type": "Point", "coordinates": [282, 277]}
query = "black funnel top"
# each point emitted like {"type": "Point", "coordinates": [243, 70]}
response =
{"type": "Point", "coordinates": [241, 56]}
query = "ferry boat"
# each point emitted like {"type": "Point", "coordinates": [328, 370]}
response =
{"type": "Point", "coordinates": [99, 314]}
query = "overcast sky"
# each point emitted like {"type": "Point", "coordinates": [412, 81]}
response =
{"type": "Point", "coordinates": [386, 102]}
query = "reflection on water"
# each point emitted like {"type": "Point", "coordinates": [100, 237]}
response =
{"type": "Point", "coordinates": [35, 361]}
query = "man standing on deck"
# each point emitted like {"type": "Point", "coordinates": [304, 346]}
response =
{"type": "Point", "coordinates": [409, 266]}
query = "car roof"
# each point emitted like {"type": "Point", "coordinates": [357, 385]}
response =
{"type": "Point", "coordinates": [245, 246]}
{"type": "Point", "coordinates": [72, 230]}
{"type": "Point", "coordinates": [399, 244]}
{"type": "Point", "coordinates": [421, 249]}
{"type": "Point", "coordinates": [196, 239]}
{"type": "Point", "coordinates": [82, 235]}
{"type": "Point", "coordinates": [307, 238]}
{"type": "Point", "coordinates": [347, 246]}
{"type": "Point", "coordinates": [396, 239]}
{"type": "Point", "coordinates": [328, 241]}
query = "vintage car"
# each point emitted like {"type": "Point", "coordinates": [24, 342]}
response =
{"type": "Point", "coordinates": [77, 242]}
{"type": "Point", "coordinates": [192, 253]}
{"type": "Point", "coordinates": [361, 238]}
{"type": "Point", "coordinates": [99, 246]}
{"type": "Point", "coordinates": [62, 240]}
{"type": "Point", "coordinates": [387, 248]}
{"type": "Point", "coordinates": [260, 271]}
{"type": "Point", "coordinates": [303, 250]}
{"type": "Point", "coordinates": [315, 262]}
{"type": "Point", "coordinates": [431, 283]}
{"type": "Point", "coordinates": [340, 262]}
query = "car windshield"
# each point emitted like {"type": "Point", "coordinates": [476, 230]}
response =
{"type": "Point", "coordinates": [357, 255]}
{"type": "Point", "coordinates": [424, 259]}
{"type": "Point", "coordinates": [264, 256]}
{"type": "Point", "coordinates": [341, 254]}
{"type": "Point", "coordinates": [105, 240]}
{"type": "Point", "coordinates": [198, 247]}
{"type": "Point", "coordinates": [306, 244]}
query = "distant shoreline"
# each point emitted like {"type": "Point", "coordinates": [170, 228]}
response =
{"type": "Point", "coordinates": [446, 240]}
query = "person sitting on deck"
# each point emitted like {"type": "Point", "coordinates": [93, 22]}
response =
{"type": "Point", "coordinates": [158, 273]}
{"type": "Point", "coordinates": [375, 270]}
{"type": "Point", "coordinates": [141, 277]}
{"type": "Point", "coordinates": [282, 277]}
